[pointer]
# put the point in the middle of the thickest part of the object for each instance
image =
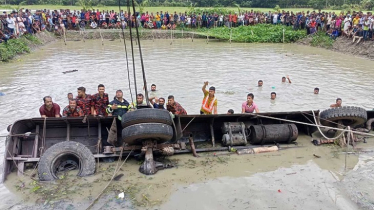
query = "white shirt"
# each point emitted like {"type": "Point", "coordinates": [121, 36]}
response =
{"type": "Point", "coordinates": [10, 22]}
{"type": "Point", "coordinates": [347, 23]}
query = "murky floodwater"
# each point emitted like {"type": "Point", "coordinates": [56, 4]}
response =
{"type": "Point", "coordinates": [180, 69]}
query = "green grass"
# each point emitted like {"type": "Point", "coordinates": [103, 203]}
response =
{"type": "Point", "coordinates": [152, 9]}
{"type": "Point", "coordinates": [261, 33]}
{"type": "Point", "coordinates": [320, 39]}
{"type": "Point", "coordinates": [17, 46]}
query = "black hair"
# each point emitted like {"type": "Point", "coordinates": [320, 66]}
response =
{"type": "Point", "coordinates": [212, 88]}
{"type": "Point", "coordinates": [101, 85]}
{"type": "Point", "coordinates": [260, 81]}
{"type": "Point", "coordinates": [283, 77]}
{"type": "Point", "coordinates": [251, 94]}
{"type": "Point", "coordinates": [119, 91]}
{"type": "Point", "coordinates": [70, 93]}
{"type": "Point", "coordinates": [139, 94]}
{"type": "Point", "coordinates": [316, 88]}
{"type": "Point", "coordinates": [338, 99]}
{"type": "Point", "coordinates": [73, 100]}
{"type": "Point", "coordinates": [230, 111]}
{"type": "Point", "coordinates": [153, 85]}
{"type": "Point", "coordinates": [82, 89]}
{"type": "Point", "coordinates": [273, 93]}
{"type": "Point", "coordinates": [45, 97]}
{"type": "Point", "coordinates": [171, 97]}
{"type": "Point", "coordinates": [161, 98]}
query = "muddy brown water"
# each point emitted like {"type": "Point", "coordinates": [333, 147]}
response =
{"type": "Point", "coordinates": [179, 68]}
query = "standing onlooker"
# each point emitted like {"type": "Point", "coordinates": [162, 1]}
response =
{"type": "Point", "coordinates": [10, 23]}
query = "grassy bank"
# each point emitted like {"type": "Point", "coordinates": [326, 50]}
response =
{"type": "Point", "coordinates": [150, 9]}
{"type": "Point", "coordinates": [261, 33]}
{"type": "Point", "coordinates": [17, 46]}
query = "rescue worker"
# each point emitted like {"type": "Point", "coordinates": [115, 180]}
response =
{"type": "Point", "coordinates": [174, 107]}
{"type": "Point", "coordinates": [119, 106]}
{"type": "Point", "coordinates": [209, 103]}
{"type": "Point", "coordinates": [84, 101]}
{"type": "Point", "coordinates": [100, 101]}
{"type": "Point", "coordinates": [72, 110]}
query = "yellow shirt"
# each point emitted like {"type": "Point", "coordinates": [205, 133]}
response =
{"type": "Point", "coordinates": [158, 18]}
{"type": "Point", "coordinates": [209, 101]}
{"type": "Point", "coordinates": [355, 21]}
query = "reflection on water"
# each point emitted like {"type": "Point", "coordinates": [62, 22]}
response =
{"type": "Point", "coordinates": [180, 70]}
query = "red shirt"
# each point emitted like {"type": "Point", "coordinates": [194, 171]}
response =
{"type": "Point", "coordinates": [77, 112]}
{"type": "Point", "coordinates": [85, 104]}
{"type": "Point", "coordinates": [100, 103]}
{"type": "Point", "coordinates": [55, 110]}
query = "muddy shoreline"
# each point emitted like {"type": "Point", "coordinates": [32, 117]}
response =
{"type": "Point", "coordinates": [345, 46]}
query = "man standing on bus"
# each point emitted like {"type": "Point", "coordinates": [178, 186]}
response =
{"type": "Point", "coordinates": [209, 104]}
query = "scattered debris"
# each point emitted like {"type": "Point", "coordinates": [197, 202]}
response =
{"type": "Point", "coordinates": [317, 156]}
{"type": "Point", "coordinates": [121, 195]}
{"type": "Point", "coordinates": [71, 71]}
{"type": "Point", "coordinates": [291, 173]}
{"type": "Point", "coordinates": [118, 177]}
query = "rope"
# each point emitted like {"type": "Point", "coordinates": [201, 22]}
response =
{"type": "Point", "coordinates": [127, 59]}
{"type": "Point", "coordinates": [314, 125]}
{"type": "Point", "coordinates": [315, 120]}
{"type": "Point", "coordinates": [132, 45]}
{"type": "Point", "coordinates": [141, 57]}
{"type": "Point", "coordinates": [110, 181]}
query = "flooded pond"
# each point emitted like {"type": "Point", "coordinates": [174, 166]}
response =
{"type": "Point", "coordinates": [180, 69]}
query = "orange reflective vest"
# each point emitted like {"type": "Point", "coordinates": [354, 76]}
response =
{"type": "Point", "coordinates": [208, 107]}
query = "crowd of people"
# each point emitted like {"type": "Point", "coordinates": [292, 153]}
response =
{"type": "Point", "coordinates": [356, 25]}
{"type": "Point", "coordinates": [99, 104]}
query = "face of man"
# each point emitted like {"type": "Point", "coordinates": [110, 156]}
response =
{"type": "Point", "coordinates": [260, 83]}
{"type": "Point", "coordinates": [171, 101]}
{"type": "Point", "coordinates": [72, 104]}
{"type": "Point", "coordinates": [273, 96]}
{"type": "Point", "coordinates": [153, 88]}
{"type": "Point", "coordinates": [119, 94]}
{"type": "Point", "coordinates": [211, 92]}
{"type": "Point", "coordinates": [101, 90]}
{"type": "Point", "coordinates": [249, 99]}
{"type": "Point", "coordinates": [139, 99]}
{"type": "Point", "coordinates": [80, 93]}
{"type": "Point", "coordinates": [161, 102]}
{"type": "Point", "coordinates": [283, 79]}
{"type": "Point", "coordinates": [339, 102]}
{"type": "Point", "coordinates": [70, 96]}
{"type": "Point", "coordinates": [48, 103]}
{"type": "Point", "coordinates": [316, 91]}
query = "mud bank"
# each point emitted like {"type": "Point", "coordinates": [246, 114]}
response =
{"type": "Point", "coordinates": [346, 46]}
{"type": "Point", "coordinates": [112, 34]}
{"type": "Point", "coordinates": [23, 45]}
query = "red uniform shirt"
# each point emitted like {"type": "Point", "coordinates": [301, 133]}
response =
{"type": "Point", "coordinates": [77, 112]}
{"type": "Point", "coordinates": [100, 104]}
{"type": "Point", "coordinates": [55, 110]}
{"type": "Point", "coordinates": [85, 104]}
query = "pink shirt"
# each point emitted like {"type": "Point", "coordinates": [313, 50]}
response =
{"type": "Point", "coordinates": [249, 109]}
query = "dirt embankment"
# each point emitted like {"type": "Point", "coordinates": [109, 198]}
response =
{"type": "Point", "coordinates": [344, 45]}
{"type": "Point", "coordinates": [44, 38]}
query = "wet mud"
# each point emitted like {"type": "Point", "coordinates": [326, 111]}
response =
{"type": "Point", "coordinates": [287, 179]}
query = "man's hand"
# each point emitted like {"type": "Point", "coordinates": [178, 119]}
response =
{"type": "Point", "coordinates": [114, 106]}
{"type": "Point", "coordinates": [206, 83]}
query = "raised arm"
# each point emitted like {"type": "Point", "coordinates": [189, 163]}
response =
{"type": "Point", "coordinates": [204, 87]}
{"type": "Point", "coordinates": [288, 78]}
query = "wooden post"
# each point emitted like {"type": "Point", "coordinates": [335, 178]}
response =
{"type": "Point", "coordinates": [283, 34]}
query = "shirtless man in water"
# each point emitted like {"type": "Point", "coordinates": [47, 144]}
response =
{"type": "Point", "coordinates": [337, 104]}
